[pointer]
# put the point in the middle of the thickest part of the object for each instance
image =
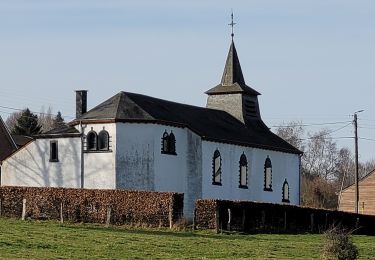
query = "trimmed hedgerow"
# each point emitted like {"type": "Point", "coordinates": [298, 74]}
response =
{"type": "Point", "coordinates": [92, 205]}
{"type": "Point", "coordinates": [258, 217]}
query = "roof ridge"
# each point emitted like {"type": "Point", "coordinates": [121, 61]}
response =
{"type": "Point", "coordinates": [9, 136]}
{"type": "Point", "coordinates": [174, 102]}
{"type": "Point", "coordinates": [121, 93]}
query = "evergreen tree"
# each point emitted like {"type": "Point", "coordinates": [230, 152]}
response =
{"type": "Point", "coordinates": [58, 121]}
{"type": "Point", "coordinates": [27, 124]}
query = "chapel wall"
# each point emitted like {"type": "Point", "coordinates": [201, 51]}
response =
{"type": "Point", "coordinates": [284, 166]}
{"type": "Point", "coordinates": [31, 166]}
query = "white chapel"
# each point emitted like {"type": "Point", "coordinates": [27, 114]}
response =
{"type": "Point", "coordinates": [138, 142]}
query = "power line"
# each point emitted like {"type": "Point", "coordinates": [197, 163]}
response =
{"type": "Point", "coordinates": [40, 113]}
{"type": "Point", "coordinates": [364, 127]}
{"type": "Point", "coordinates": [365, 119]}
{"type": "Point", "coordinates": [11, 96]}
{"type": "Point", "coordinates": [367, 139]}
{"type": "Point", "coordinates": [330, 132]}
{"type": "Point", "coordinates": [313, 124]}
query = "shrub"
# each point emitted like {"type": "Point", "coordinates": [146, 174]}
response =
{"type": "Point", "coordinates": [338, 244]}
{"type": "Point", "coordinates": [182, 224]}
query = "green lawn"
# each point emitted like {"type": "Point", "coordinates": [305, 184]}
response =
{"type": "Point", "coordinates": [51, 240]}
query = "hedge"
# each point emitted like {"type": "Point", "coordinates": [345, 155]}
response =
{"type": "Point", "coordinates": [258, 217]}
{"type": "Point", "coordinates": [92, 205]}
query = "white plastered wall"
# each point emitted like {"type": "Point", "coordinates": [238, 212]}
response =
{"type": "Point", "coordinates": [99, 166]}
{"type": "Point", "coordinates": [284, 166]}
{"type": "Point", "coordinates": [141, 165]}
{"type": "Point", "coordinates": [30, 166]}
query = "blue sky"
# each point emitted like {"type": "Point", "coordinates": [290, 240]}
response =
{"type": "Point", "coordinates": [311, 60]}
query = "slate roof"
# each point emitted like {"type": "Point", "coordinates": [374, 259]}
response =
{"type": "Point", "coordinates": [21, 140]}
{"type": "Point", "coordinates": [7, 144]}
{"type": "Point", "coordinates": [63, 131]}
{"type": "Point", "coordinates": [210, 124]}
{"type": "Point", "coordinates": [232, 80]}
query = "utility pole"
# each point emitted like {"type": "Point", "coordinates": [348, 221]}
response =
{"type": "Point", "coordinates": [356, 162]}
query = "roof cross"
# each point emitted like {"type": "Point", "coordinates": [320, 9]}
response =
{"type": "Point", "coordinates": [232, 24]}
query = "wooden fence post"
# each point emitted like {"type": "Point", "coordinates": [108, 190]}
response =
{"type": "Point", "coordinates": [217, 220]}
{"type": "Point", "coordinates": [194, 218]}
{"type": "Point", "coordinates": [229, 219]}
{"type": "Point", "coordinates": [263, 219]}
{"type": "Point", "coordinates": [357, 223]}
{"type": "Point", "coordinates": [243, 219]}
{"type": "Point", "coordinates": [108, 220]}
{"type": "Point", "coordinates": [1, 207]}
{"type": "Point", "coordinates": [23, 209]}
{"type": "Point", "coordinates": [170, 217]}
{"type": "Point", "coordinates": [285, 223]}
{"type": "Point", "coordinates": [61, 213]}
{"type": "Point", "coordinates": [326, 224]}
{"type": "Point", "coordinates": [312, 222]}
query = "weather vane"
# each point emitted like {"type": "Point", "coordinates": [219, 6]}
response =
{"type": "Point", "coordinates": [232, 24]}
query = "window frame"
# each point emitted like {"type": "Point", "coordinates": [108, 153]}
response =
{"type": "Point", "coordinates": [172, 144]}
{"type": "Point", "coordinates": [268, 165]}
{"type": "Point", "coordinates": [100, 138]}
{"type": "Point", "coordinates": [95, 148]}
{"type": "Point", "coordinates": [243, 162]}
{"type": "Point", "coordinates": [285, 199]}
{"type": "Point", "coordinates": [168, 143]}
{"type": "Point", "coordinates": [215, 156]}
{"type": "Point", "coordinates": [164, 142]}
{"type": "Point", "coordinates": [54, 143]}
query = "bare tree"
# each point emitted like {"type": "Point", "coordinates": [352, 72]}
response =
{"type": "Point", "coordinates": [325, 168]}
{"type": "Point", "coordinates": [366, 168]}
{"type": "Point", "coordinates": [321, 155]}
{"type": "Point", "coordinates": [318, 193]}
{"type": "Point", "coordinates": [45, 119]}
{"type": "Point", "coordinates": [12, 119]}
{"type": "Point", "coordinates": [293, 133]}
{"type": "Point", "coordinates": [345, 167]}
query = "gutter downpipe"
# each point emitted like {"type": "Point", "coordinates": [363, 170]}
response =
{"type": "Point", "coordinates": [299, 176]}
{"type": "Point", "coordinates": [82, 157]}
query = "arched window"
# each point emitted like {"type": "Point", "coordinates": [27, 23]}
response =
{"type": "Point", "coordinates": [268, 175]}
{"type": "Point", "coordinates": [168, 143]}
{"type": "Point", "coordinates": [243, 171]}
{"type": "Point", "coordinates": [91, 141]}
{"type": "Point", "coordinates": [216, 165]}
{"type": "Point", "coordinates": [103, 140]}
{"type": "Point", "coordinates": [171, 144]}
{"type": "Point", "coordinates": [164, 142]}
{"type": "Point", "coordinates": [285, 192]}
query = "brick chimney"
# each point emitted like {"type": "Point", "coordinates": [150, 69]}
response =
{"type": "Point", "coordinates": [81, 102]}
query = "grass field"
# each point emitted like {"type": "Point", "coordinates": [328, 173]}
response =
{"type": "Point", "coordinates": [51, 240]}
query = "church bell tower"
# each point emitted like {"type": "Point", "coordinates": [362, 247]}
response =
{"type": "Point", "coordinates": [232, 94]}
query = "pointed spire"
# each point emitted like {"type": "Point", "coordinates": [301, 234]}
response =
{"type": "Point", "coordinates": [232, 80]}
{"type": "Point", "coordinates": [232, 70]}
